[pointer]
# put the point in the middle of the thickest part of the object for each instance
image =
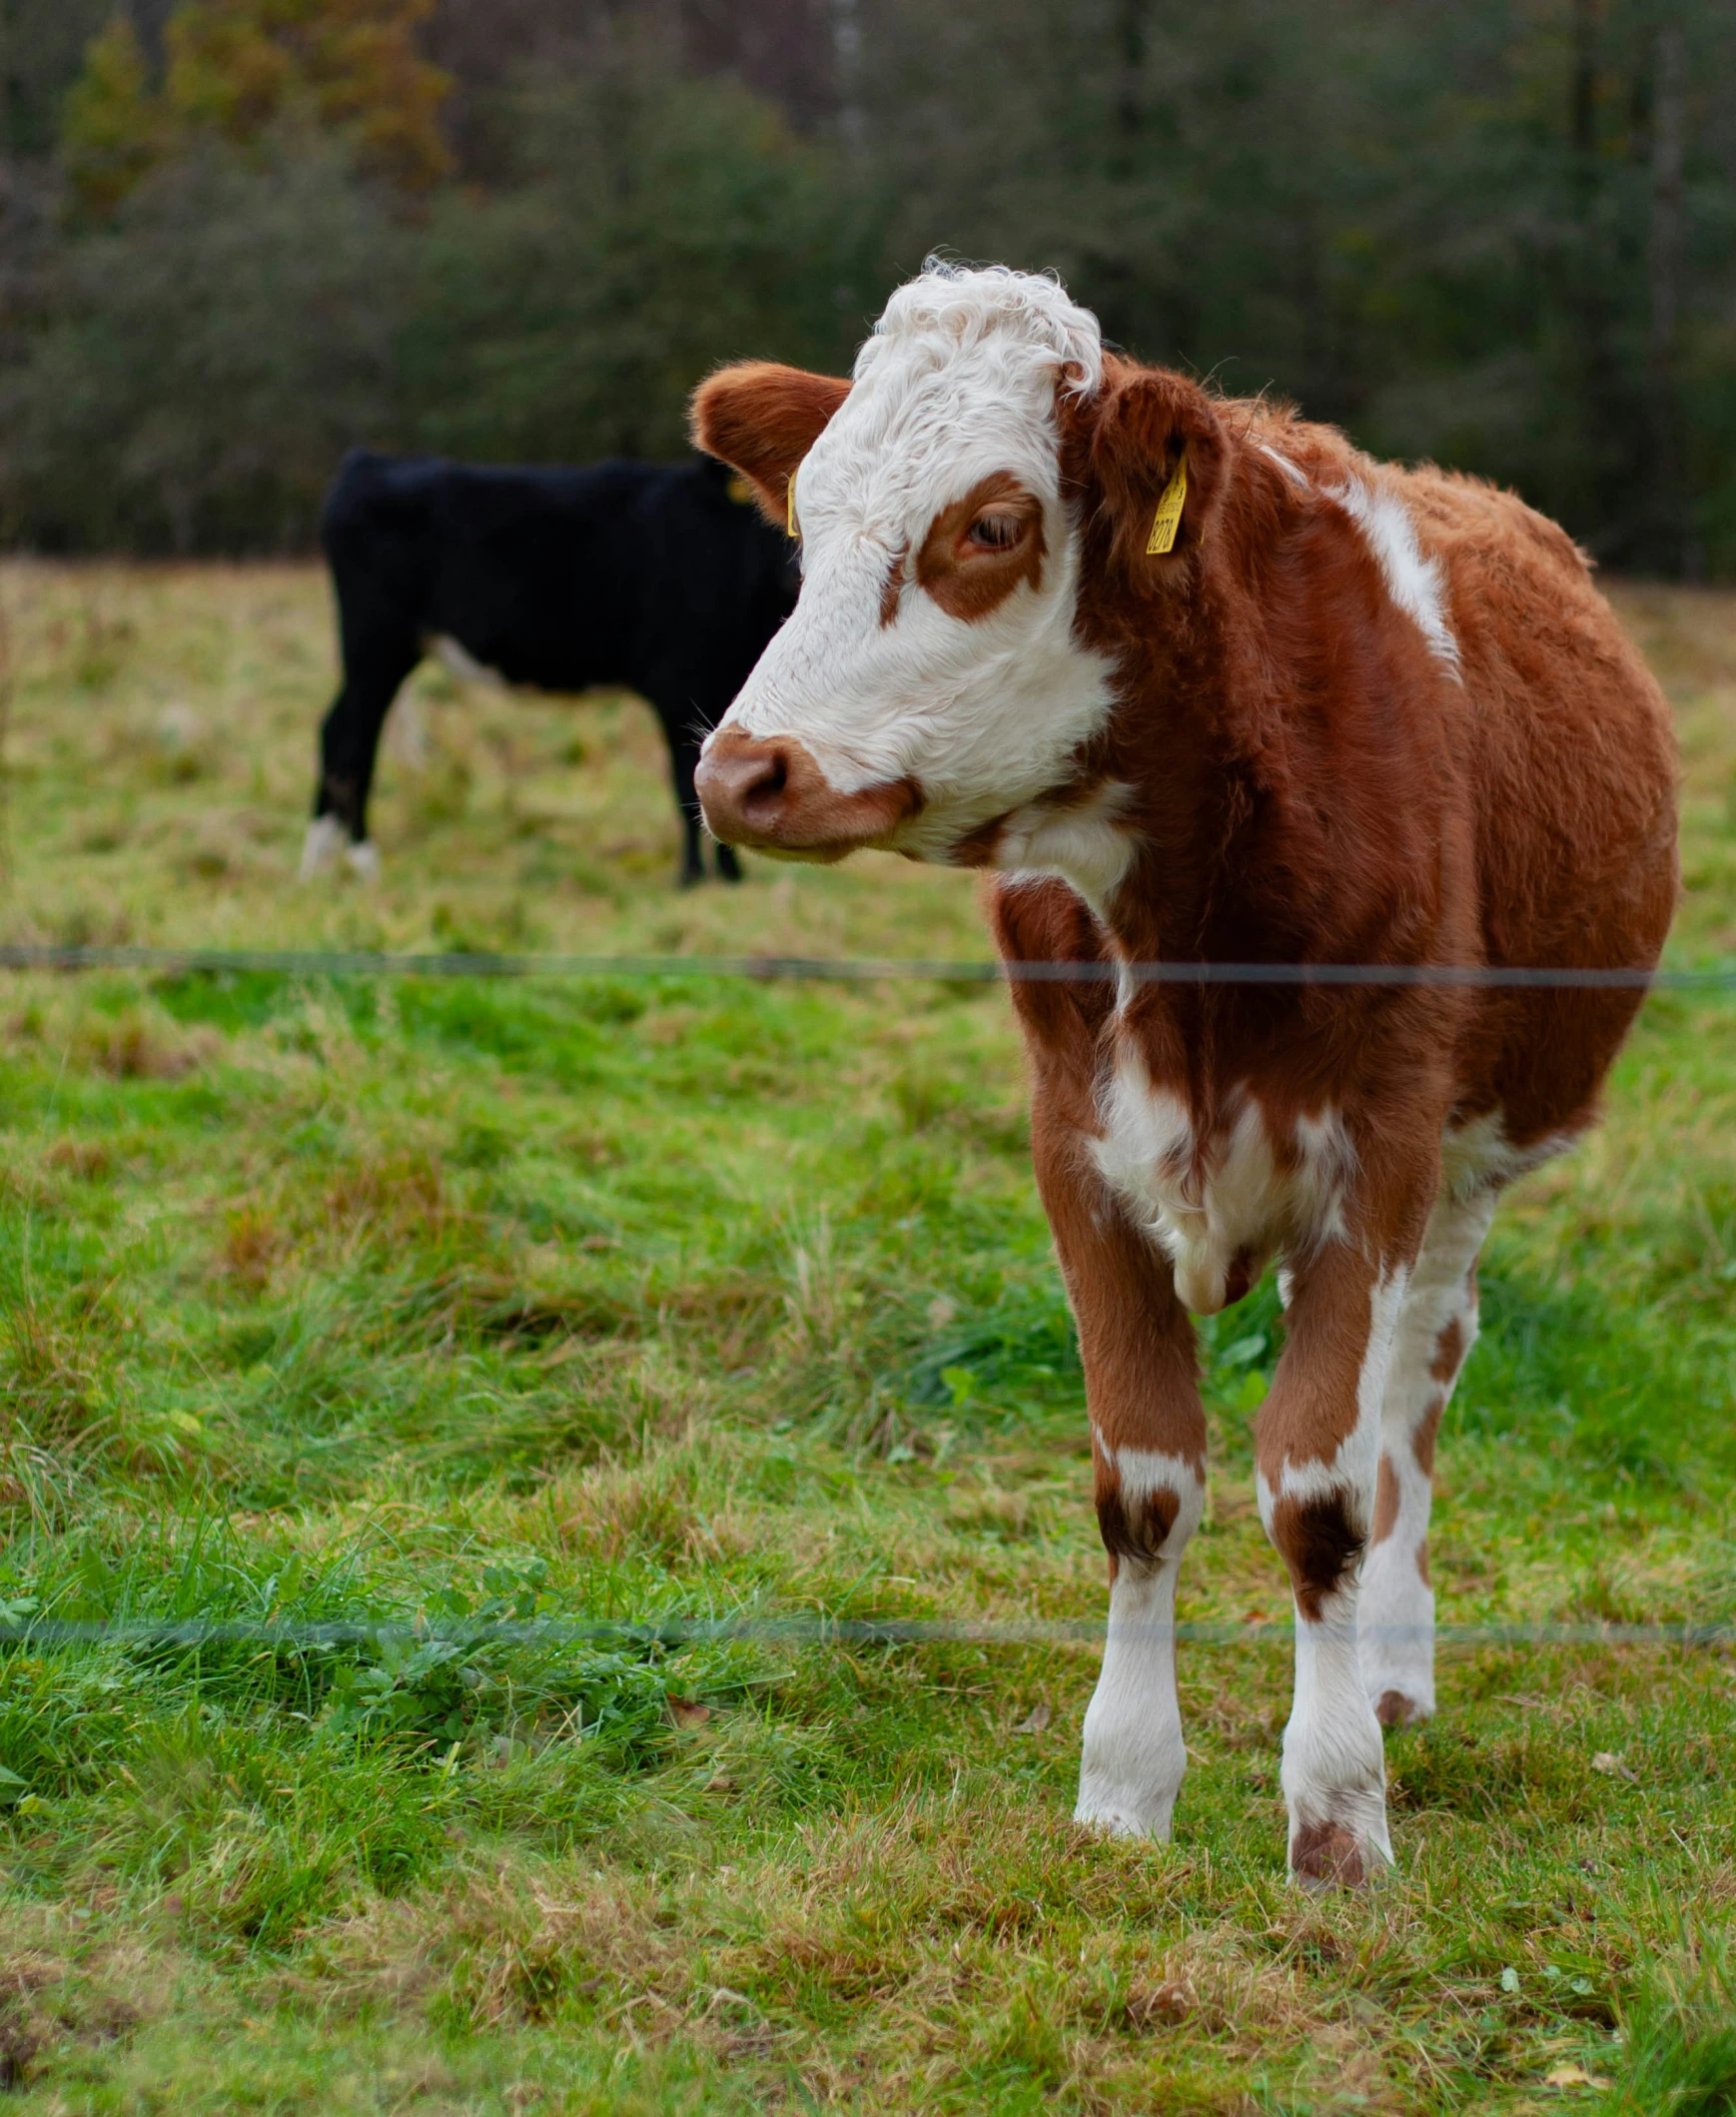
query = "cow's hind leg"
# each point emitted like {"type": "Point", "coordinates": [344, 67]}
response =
{"type": "Point", "coordinates": [1436, 1328]}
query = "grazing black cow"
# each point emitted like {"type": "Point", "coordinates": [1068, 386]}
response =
{"type": "Point", "coordinates": [666, 582]}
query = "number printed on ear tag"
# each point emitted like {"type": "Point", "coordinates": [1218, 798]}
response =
{"type": "Point", "coordinates": [1168, 519]}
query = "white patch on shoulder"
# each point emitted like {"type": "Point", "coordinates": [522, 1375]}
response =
{"type": "Point", "coordinates": [1086, 844]}
{"type": "Point", "coordinates": [1285, 465]}
{"type": "Point", "coordinates": [1413, 580]}
{"type": "Point", "coordinates": [1206, 1201]}
{"type": "Point", "coordinates": [464, 665]}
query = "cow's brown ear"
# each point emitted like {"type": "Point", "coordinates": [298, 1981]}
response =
{"type": "Point", "coordinates": [1152, 454]}
{"type": "Point", "coordinates": [761, 420]}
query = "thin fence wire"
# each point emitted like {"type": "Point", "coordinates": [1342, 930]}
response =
{"type": "Point", "coordinates": [369, 963]}
{"type": "Point", "coordinates": [809, 1630]}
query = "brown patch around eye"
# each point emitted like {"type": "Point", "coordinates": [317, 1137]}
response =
{"type": "Point", "coordinates": [971, 581]}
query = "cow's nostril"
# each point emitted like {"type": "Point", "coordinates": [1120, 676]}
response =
{"type": "Point", "coordinates": [744, 784]}
{"type": "Point", "coordinates": [770, 780]}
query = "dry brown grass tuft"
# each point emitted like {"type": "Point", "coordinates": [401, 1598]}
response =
{"type": "Point", "coordinates": [252, 1243]}
{"type": "Point", "coordinates": [87, 1159]}
{"type": "Point", "coordinates": [401, 1192]}
{"type": "Point", "coordinates": [137, 1046]}
{"type": "Point", "coordinates": [656, 1507]}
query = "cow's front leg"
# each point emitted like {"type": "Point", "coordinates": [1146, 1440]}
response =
{"type": "Point", "coordinates": [1149, 1493]}
{"type": "Point", "coordinates": [1148, 1436]}
{"type": "Point", "coordinates": [1316, 1449]}
{"type": "Point", "coordinates": [1147, 1431]}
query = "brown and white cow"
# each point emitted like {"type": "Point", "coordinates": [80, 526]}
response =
{"type": "Point", "coordinates": [1353, 714]}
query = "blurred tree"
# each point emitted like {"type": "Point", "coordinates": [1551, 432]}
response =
{"type": "Point", "coordinates": [655, 226]}
{"type": "Point", "coordinates": [42, 47]}
{"type": "Point", "coordinates": [208, 359]}
{"type": "Point", "coordinates": [1502, 233]}
{"type": "Point", "coordinates": [234, 67]}
{"type": "Point", "coordinates": [115, 130]}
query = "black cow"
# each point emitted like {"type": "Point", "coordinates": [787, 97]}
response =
{"type": "Point", "coordinates": [664, 580]}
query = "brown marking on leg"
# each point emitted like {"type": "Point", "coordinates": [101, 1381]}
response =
{"type": "Point", "coordinates": [1449, 1351]}
{"type": "Point", "coordinates": [1423, 1561]}
{"type": "Point", "coordinates": [1422, 1442]}
{"type": "Point", "coordinates": [1319, 1543]}
{"type": "Point", "coordinates": [1136, 1531]}
{"type": "Point", "coordinates": [1327, 1854]}
{"type": "Point", "coordinates": [1385, 1500]}
{"type": "Point", "coordinates": [1394, 1709]}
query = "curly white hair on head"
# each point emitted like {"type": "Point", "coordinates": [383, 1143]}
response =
{"type": "Point", "coordinates": [957, 306]}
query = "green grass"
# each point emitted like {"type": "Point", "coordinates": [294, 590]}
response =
{"type": "Point", "coordinates": [472, 1310]}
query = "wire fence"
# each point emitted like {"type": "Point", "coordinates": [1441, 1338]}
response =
{"type": "Point", "coordinates": [371, 963]}
{"type": "Point", "coordinates": [806, 1630]}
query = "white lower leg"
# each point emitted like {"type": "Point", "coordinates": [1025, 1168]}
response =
{"type": "Point", "coordinates": [1133, 1756]}
{"type": "Point", "coordinates": [1437, 1328]}
{"type": "Point", "coordinates": [1335, 1774]}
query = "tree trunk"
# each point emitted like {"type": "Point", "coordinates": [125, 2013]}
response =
{"type": "Point", "coordinates": [1670, 526]}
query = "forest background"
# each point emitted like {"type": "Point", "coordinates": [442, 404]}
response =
{"type": "Point", "coordinates": [240, 235]}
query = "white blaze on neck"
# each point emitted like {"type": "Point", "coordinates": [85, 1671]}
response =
{"type": "Point", "coordinates": [1084, 844]}
{"type": "Point", "coordinates": [1413, 580]}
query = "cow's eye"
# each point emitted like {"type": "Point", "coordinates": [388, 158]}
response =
{"type": "Point", "coordinates": [995, 532]}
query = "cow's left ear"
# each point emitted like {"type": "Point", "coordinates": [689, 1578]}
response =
{"type": "Point", "coordinates": [1153, 455]}
{"type": "Point", "coordinates": [762, 420]}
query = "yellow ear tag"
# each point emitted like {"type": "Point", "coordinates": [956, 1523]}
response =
{"type": "Point", "coordinates": [790, 529]}
{"type": "Point", "coordinates": [1168, 519]}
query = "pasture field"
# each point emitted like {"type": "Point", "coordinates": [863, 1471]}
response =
{"type": "Point", "coordinates": [455, 1306]}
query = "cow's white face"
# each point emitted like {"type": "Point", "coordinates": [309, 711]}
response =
{"type": "Point", "coordinates": [928, 683]}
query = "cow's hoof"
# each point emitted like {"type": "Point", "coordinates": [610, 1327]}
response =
{"type": "Point", "coordinates": [1331, 1856]}
{"type": "Point", "coordinates": [1393, 1709]}
{"type": "Point", "coordinates": [362, 860]}
{"type": "Point", "coordinates": [1123, 1812]}
{"type": "Point", "coordinates": [1327, 1856]}
{"type": "Point", "coordinates": [322, 846]}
